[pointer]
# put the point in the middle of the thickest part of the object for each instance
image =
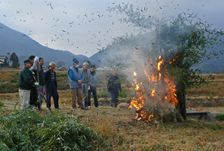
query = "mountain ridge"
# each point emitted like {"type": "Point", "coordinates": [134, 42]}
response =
{"type": "Point", "coordinates": [23, 46]}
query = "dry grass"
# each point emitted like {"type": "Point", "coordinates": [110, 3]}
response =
{"type": "Point", "coordinates": [9, 80]}
{"type": "Point", "coordinates": [124, 133]}
{"type": "Point", "coordinates": [7, 75]}
{"type": "Point", "coordinates": [215, 87]}
{"type": "Point", "coordinates": [212, 88]}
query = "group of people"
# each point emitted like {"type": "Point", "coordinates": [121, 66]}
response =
{"type": "Point", "coordinates": [82, 83]}
{"type": "Point", "coordinates": [36, 85]}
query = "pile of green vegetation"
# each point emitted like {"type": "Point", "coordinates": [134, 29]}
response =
{"type": "Point", "coordinates": [28, 130]}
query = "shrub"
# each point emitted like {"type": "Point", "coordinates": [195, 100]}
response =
{"type": "Point", "coordinates": [1, 104]}
{"type": "Point", "coordinates": [28, 130]}
{"type": "Point", "coordinates": [102, 94]}
{"type": "Point", "coordinates": [220, 117]}
{"type": "Point", "coordinates": [123, 94]}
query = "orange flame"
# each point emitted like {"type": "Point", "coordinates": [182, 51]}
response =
{"type": "Point", "coordinates": [159, 64]}
{"type": "Point", "coordinates": [171, 92]}
{"type": "Point", "coordinates": [153, 93]}
{"type": "Point", "coordinates": [138, 101]}
{"type": "Point", "coordinates": [137, 87]}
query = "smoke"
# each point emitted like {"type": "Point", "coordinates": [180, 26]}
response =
{"type": "Point", "coordinates": [182, 41]}
{"type": "Point", "coordinates": [140, 54]}
{"type": "Point", "coordinates": [131, 52]}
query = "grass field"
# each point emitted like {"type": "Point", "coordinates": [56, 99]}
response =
{"type": "Point", "coordinates": [9, 83]}
{"type": "Point", "coordinates": [119, 128]}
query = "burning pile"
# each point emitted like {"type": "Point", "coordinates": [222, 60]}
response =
{"type": "Point", "coordinates": [161, 89]}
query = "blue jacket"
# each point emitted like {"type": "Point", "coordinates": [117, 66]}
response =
{"type": "Point", "coordinates": [74, 74]}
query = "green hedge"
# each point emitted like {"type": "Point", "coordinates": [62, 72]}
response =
{"type": "Point", "coordinates": [29, 131]}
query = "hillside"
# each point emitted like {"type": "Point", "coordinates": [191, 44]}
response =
{"type": "Point", "coordinates": [14, 41]}
{"type": "Point", "coordinates": [123, 50]}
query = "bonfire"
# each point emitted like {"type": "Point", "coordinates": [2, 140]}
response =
{"type": "Point", "coordinates": [156, 77]}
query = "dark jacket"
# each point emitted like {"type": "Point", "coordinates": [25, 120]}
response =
{"type": "Point", "coordinates": [93, 79]}
{"type": "Point", "coordinates": [41, 77]}
{"type": "Point", "coordinates": [48, 79]}
{"type": "Point", "coordinates": [114, 85]}
{"type": "Point", "coordinates": [26, 80]}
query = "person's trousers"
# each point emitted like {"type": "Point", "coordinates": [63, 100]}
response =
{"type": "Point", "coordinates": [114, 99]}
{"type": "Point", "coordinates": [41, 95]}
{"type": "Point", "coordinates": [24, 98]}
{"type": "Point", "coordinates": [52, 92]}
{"type": "Point", "coordinates": [92, 90]}
{"type": "Point", "coordinates": [33, 97]}
{"type": "Point", "coordinates": [85, 88]}
{"type": "Point", "coordinates": [76, 97]}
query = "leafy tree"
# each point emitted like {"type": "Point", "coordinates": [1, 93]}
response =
{"type": "Point", "coordinates": [15, 60]}
{"type": "Point", "coordinates": [184, 42]}
{"type": "Point", "coordinates": [189, 41]}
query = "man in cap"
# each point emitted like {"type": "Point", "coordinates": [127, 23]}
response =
{"type": "Point", "coordinates": [85, 84]}
{"type": "Point", "coordinates": [41, 88]}
{"type": "Point", "coordinates": [75, 83]}
{"type": "Point", "coordinates": [26, 82]}
{"type": "Point", "coordinates": [93, 84]}
{"type": "Point", "coordinates": [31, 58]}
{"type": "Point", "coordinates": [114, 87]}
{"type": "Point", "coordinates": [51, 86]}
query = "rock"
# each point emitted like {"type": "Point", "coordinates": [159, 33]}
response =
{"type": "Point", "coordinates": [123, 106]}
{"type": "Point", "coordinates": [206, 116]}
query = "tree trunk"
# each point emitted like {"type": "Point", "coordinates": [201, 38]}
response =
{"type": "Point", "coordinates": [181, 96]}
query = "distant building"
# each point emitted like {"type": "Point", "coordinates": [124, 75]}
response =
{"type": "Point", "coordinates": [4, 61]}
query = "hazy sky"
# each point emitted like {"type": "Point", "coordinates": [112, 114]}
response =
{"type": "Point", "coordinates": [84, 26]}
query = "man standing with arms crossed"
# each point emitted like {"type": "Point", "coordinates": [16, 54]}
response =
{"type": "Point", "coordinates": [51, 86]}
{"type": "Point", "coordinates": [75, 83]}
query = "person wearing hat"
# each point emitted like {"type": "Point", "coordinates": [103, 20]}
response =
{"type": "Point", "coordinates": [51, 86]}
{"type": "Point", "coordinates": [75, 83]}
{"type": "Point", "coordinates": [41, 91]}
{"type": "Point", "coordinates": [93, 84]}
{"type": "Point", "coordinates": [26, 82]}
{"type": "Point", "coordinates": [85, 84]}
{"type": "Point", "coordinates": [114, 88]}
